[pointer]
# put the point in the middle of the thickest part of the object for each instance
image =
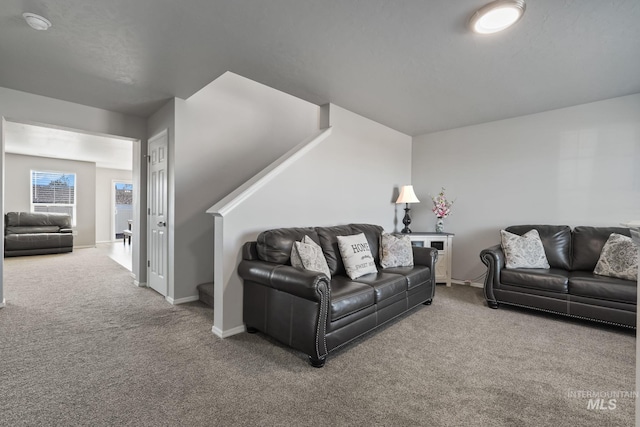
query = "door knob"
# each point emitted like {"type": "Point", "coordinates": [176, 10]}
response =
{"type": "Point", "coordinates": [162, 224]}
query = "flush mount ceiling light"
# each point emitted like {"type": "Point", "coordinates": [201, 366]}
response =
{"type": "Point", "coordinates": [497, 16]}
{"type": "Point", "coordinates": [36, 22]}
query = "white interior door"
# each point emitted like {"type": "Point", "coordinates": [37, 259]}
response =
{"type": "Point", "coordinates": [157, 245]}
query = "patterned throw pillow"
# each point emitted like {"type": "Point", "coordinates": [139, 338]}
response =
{"type": "Point", "coordinates": [395, 251]}
{"type": "Point", "coordinates": [356, 255]}
{"type": "Point", "coordinates": [619, 258]}
{"type": "Point", "coordinates": [308, 255]}
{"type": "Point", "coordinates": [524, 251]}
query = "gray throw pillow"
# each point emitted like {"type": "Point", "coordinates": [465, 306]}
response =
{"type": "Point", "coordinates": [356, 255]}
{"type": "Point", "coordinates": [308, 255]}
{"type": "Point", "coordinates": [619, 258]}
{"type": "Point", "coordinates": [395, 251]}
{"type": "Point", "coordinates": [524, 251]}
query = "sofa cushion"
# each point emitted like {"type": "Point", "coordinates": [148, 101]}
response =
{"type": "Point", "coordinates": [308, 255]}
{"type": "Point", "coordinates": [553, 280]}
{"type": "Point", "coordinates": [356, 255]}
{"type": "Point", "coordinates": [329, 241]}
{"type": "Point", "coordinates": [524, 251]}
{"type": "Point", "coordinates": [619, 258]}
{"type": "Point", "coordinates": [556, 240]}
{"type": "Point", "coordinates": [588, 243]}
{"type": "Point", "coordinates": [32, 230]}
{"type": "Point", "coordinates": [36, 219]}
{"type": "Point", "coordinates": [415, 276]}
{"type": "Point", "coordinates": [275, 245]}
{"type": "Point", "coordinates": [385, 284]}
{"type": "Point", "coordinates": [15, 242]}
{"type": "Point", "coordinates": [348, 296]}
{"type": "Point", "coordinates": [395, 251]}
{"type": "Point", "coordinates": [587, 284]}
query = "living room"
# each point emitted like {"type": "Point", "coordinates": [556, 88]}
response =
{"type": "Point", "coordinates": [568, 163]}
{"type": "Point", "coordinates": [36, 157]}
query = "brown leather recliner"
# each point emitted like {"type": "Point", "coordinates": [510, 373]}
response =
{"type": "Point", "coordinates": [37, 233]}
{"type": "Point", "coordinates": [307, 311]}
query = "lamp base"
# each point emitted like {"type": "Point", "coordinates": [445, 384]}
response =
{"type": "Point", "coordinates": [406, 220]}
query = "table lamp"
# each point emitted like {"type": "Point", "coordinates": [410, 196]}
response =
{"type": "Point", "coordinates": [407, 196]}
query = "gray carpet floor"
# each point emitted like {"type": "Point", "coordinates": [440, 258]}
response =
{"type": "Point", "coordinates": [80, 345]}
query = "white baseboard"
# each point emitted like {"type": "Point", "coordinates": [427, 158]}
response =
{"type": "Point", "coordinates": [84, 246]}
{"type": "Point", "coordinates": [139, 284]}
{"type": "Point", "coordinates": [2, 304]}
{"type": "Point", "coordinates": [182, 300]}
{"type": "Point", "coordinates": [465, 283]}
{"type": "Point", "coordinates": [225, 334]}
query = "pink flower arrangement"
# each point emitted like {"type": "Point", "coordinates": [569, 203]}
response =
{"type": "Point", "coordinates": [441, 206]}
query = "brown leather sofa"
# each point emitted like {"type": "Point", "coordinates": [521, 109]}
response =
{"type": "Point", "coordinates": [569, 287]}
{"type": "Point", "coordinates": [37, 233]}
{"type": "Point", "coordinates": [307, 311]}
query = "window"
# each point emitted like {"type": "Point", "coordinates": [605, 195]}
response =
{"type": "Point", "coordinates": [54, 192]}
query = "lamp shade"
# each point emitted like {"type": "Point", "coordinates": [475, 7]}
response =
{"type": "Point", "coordinates": [407, 195]}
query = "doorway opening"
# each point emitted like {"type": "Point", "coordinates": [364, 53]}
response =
{"type": "Point", "coordinates": [123, 211]}
{"type": "Point", "coordinates": [122, 238]}
{"type": "Point", "coordinates": [96, 160]}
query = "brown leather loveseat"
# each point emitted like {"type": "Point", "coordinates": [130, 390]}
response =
{"type": "Point", "coordinates": [569, 286]}
{"type": "Point", "coordinates": [315, 315]}
{"type": "Point", "coordinates": [37, 233]}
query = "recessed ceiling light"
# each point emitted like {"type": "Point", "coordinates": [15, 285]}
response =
{"type": "Point", "coordinates": [36, 22]}
{"type": "Point", "coordinates": [497, 16]}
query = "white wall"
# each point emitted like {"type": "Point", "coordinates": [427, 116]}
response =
{"type": "Point", "coordinates": [2, 168]}
{"type": "Point", "coordinates": [573, 166]}
{"type": "Point", "coordinates": [224, 134]}
{"type": "Point", "coordinates": [104, 200]}
{"type": "Point", "coordinates": [351, 176]}
{"type": "Point", "coordinates": [25, 107]}
{"type": "Point", "coordinates": [17, 194]}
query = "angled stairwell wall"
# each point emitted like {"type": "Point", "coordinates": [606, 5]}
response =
{"type": "Point", "coordinates": [218, 138]}
{"type": "Point", "coordinates": [347, 173]}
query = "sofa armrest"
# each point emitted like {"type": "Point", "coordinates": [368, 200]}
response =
{"type": "Point", "coordinates": [66, 230]}
{"type": "Point", "coordinates": [493, 258]}
{"type": "Point", "coordinates": [301, 283]}
{"type": "Point", "coordinates": [425, 256]}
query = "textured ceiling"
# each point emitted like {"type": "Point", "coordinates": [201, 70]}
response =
{"type": "Point", "coordinates": [409, 64]}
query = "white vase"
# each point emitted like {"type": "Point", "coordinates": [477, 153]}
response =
{"type": "Point", "coordinates": [439, 225]}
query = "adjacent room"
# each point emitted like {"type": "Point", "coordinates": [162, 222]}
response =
{"type": "Point", "coordinates": [88, 177]}
{"type": "Point", "coordinates": [320, 213]}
